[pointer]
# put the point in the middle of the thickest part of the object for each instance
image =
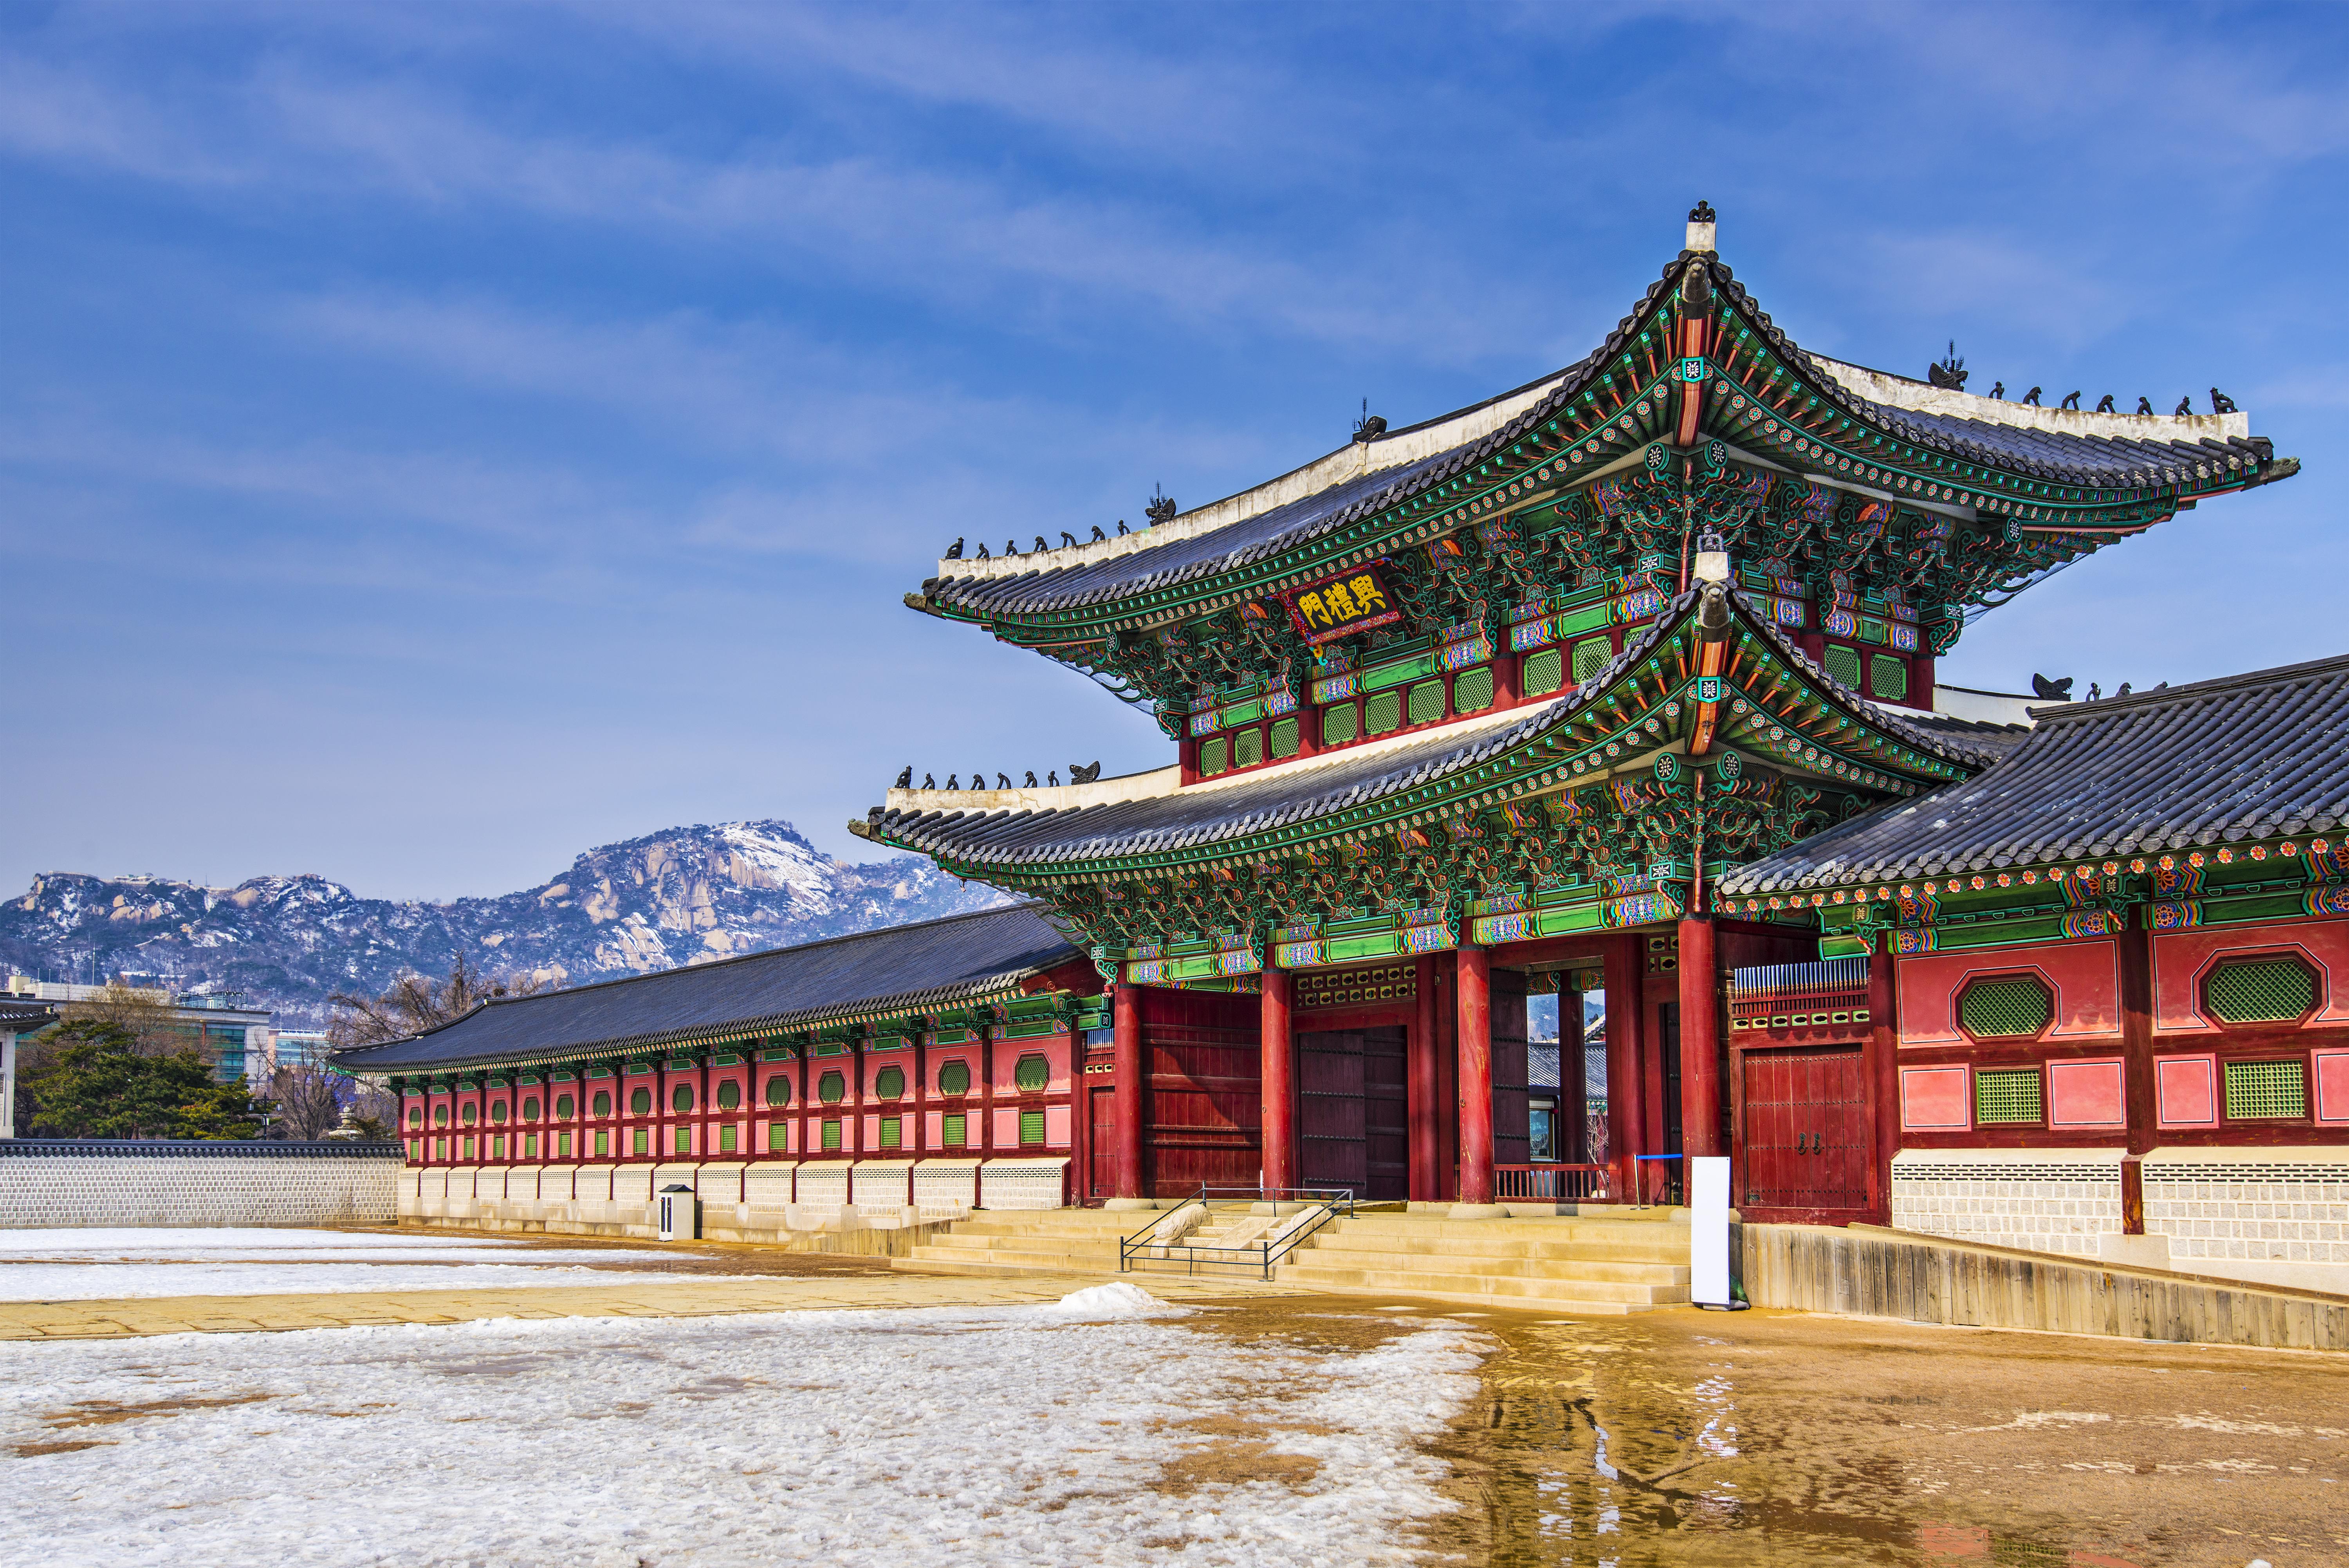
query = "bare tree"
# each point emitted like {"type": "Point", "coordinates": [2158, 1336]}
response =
{"type": "Point", "coordinates": [147, 1016]}
{"type": "Point", "coordinates": [417, 1002]}
{"type": "Point", "coordinates": [309, 1098]}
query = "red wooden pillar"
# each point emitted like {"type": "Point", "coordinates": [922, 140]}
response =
{"type": "Point", "coordinates": [1879, 1067]}
{"type": "Point", "coordinates": [1700, 1040]}
{"type": "Point", "coordinates": [1572, 1118]}
{"type": "Point", "coordinates": [1505, 680]}
{"type": "Point", "coordinates": [1447, 1085]}
{"type": "Point", "coordinates": [1277, 1084]}
{"type": "Point", "coordinates": [1126, 1053]}
{"type": "Point", "coordinates": [1422, 1099]}
{"type": "Point", "coordinates": [1472, 966]}
{"type": "Point", "coordinates": [1627, 1109]}
{"type": "Point", "coordinates": [2136, 952]}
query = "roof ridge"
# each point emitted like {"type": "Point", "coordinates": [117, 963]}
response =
{"type": "Point", "coordinates": [619, 980]}
{"type": "Point", "coordinates": [2087, 708]}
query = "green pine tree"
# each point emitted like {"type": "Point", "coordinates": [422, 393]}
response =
{"type": "Point", "coordinates": [92, 1082]}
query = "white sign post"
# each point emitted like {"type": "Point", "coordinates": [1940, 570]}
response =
{"type": "Point", "coordinates": [1708, 1231]}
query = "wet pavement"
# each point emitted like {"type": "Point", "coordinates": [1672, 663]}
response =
{"type": "Point", "coordinates": [1764, 1437]}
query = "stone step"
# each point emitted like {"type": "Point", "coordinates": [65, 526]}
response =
{"type": "Point", "coordinates": [1639, 1272]}
{"type": "Point", "coordinates": [1626, 1294]}
{"type": "Point", "coordinates": [1523, 1252]}
{"type": "Point", "coordinates": [1557, 1229]}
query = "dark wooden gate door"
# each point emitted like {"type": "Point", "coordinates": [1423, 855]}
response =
{"type": "Point", "coordinates": [1102, 1143]}
{"type": "Point", "coordinates": [1807, 1130]}
{"type": "Point", "coordinates": [1351, 1127]}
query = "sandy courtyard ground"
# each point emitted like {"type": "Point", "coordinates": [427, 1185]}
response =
{"type": "Point", "coordinates": [987, 1425]}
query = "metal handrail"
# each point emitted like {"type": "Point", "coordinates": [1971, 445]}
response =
{"type": "Point", "coordinates": [1325, 1203]}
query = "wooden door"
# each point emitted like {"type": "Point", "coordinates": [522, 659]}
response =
{"type": "Point", "coordinates": [1808, 1127]}
{"type": "Point", "coordinates": [1351, 1128]}
{"type": "Point", "coordinates": [1101, 1142]}
{"type": "Point", "coordinates": [1203, 1113]}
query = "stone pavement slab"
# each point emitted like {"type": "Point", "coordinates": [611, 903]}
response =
{"type": "Point", "coordinates": [668, 1298]}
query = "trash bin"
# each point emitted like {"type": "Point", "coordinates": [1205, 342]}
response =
{"type": "Point", "coordinates": [680, 1213]}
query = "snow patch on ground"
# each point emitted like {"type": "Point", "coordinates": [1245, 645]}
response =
{"type": "Point", "coordinates": [1012, 1435]}
{"type": "Point", "coordinates": [1116, 1298]}
{"type": "Point", "coordinates": [102, 1265]}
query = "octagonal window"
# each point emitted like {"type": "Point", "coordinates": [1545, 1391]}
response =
{"type": "Point", "coordinates": [2010, 1007]}
{"type": "Point", "coordinates": [2260, 991]}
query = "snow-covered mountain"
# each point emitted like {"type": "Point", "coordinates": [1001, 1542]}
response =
{"type": "Point", "coordinates": [684, 895]}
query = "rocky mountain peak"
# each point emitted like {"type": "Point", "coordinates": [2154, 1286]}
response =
{"type": "Point", "coordinates": [685, 895]}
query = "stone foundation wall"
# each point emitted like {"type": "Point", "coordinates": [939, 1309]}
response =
{"type": "Point", "coordinates": [60, 1183]}
{"type": "Point", "coordinates": [2280, 1215]}
{"type": "Point", "coordinates": [2065, 1201]}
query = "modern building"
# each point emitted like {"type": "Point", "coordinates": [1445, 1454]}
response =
{"type": "Point", "coordinates": [236, 1039]}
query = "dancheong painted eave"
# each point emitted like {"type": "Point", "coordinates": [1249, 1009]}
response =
{"type": "Point", "coordinates": [2252, 757]}
{"type": "Point", "coordinates": [2054, 469]}
{"type": "Point", "coordinates": [957, 963]}
{"type": "Point", "coordinates": [1575, 740]}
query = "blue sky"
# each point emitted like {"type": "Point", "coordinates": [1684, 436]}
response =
{"type": "Point", "coordinates": [435, 438]}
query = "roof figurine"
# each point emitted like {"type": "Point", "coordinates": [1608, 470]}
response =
{"type": "Point", "coordinates": [1950, 371]}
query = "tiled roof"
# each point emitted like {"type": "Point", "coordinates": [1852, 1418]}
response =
{"type": "Point", "coordinates": [2249, 756]}
{"type": "Point", "coordinates": [23, 1017]}
{"type": "Point", "coordinates": [1316, 787]}
{"type": "Point", "coordinates": [935, 964]}
{"type": "Point", "coordinates": [2064, 446]}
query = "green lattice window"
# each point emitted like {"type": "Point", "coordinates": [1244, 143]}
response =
{"type": "Point", "coordinates": [468, 1150]}
{"type": "Point", "coordinates": [1590, 657]}
{"type": "Point", "coordinates": [602, 1146]}
{"type": "Point", "coordinates": [2261, 991]}
{"type": "Point", "coordinates": [644, 1140]}
{"type": "Point", "coordinates": [2004, 1009]}
{"type": "Point", "coordinates": [831, 1136]}
{"type": "Point", "coordinates": [729, 1095]}
{"type": "Point", "coordinates": [2006, 1094]}
{"type": "Point", "coordinates": [416, 1116]}
{"type": "Point", "coordinates": [1284, 738]}
{"type": "Point", "coordinates": [1842, 664]}
{"type": "Point", "coordinates": [685, 1140]}
{"type": "Point", "coordinates": [1473, 690]}
{"type": "Point", "coordinates": [1427, 703]}
{"type": "Point", "coordinates": [954, 1078]}
{"type": "Point", "coordinates": [889, 1082]}
{"type": "Point", "coordinates": [603, 1102]}
{"type": "Point", "coordinates": [1338, 724]}
{"type": "Point", "coordinates": [1215, 756]}
{"type": "Point", "coordinates": [640, 1103]}
{"type": "Point", "coordinates": [1545, 671]}
{"type": "Point", "coordinates": [1247, 748]}
{"type": "Point", "coordinates": [1887, 676]}
{"type": "Point", "coordinates": [439, 1116]}
{"type": "Point", "coordinates": [778, 1090]}
{"type": "Point", "coordinates": [469, 1114]}
{"type": "Point", "coordinates": [1031, 1127]}
{"type": "Point", "coordinates": [893, 1132]}
{"type": "Point", "coordinates": [2258, 1089]}
{"type": "Point", "coordinates": [563, 1105]}
{"type": "Point", "coordinates": [682, 1100]}
{"type": "Point", "coordinates": [778, 1139]}
{"type": "Point", "coordinates": [725, 1140]}
{"type": "Point", "coordinates": [498, 1111]}
{"type": "Point", "coordinates": [1382, 714]}
{"type": "Point", "coordinates": [1031, 1074]}
{"type": "Point", "coordinates": [530, 1109]}
{"type": "Point", "coordinates": [831, 1088]}
{"type": "Point", "coordinates": [953, 1135]}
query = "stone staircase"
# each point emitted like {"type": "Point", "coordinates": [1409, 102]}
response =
{"type": "Point", "coordinates": [1576, 1263]}
{"type": "Point", "coordinates": [1610, 1264]}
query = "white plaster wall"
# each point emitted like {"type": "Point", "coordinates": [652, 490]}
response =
{"type": "Point", "coordinates": [43, 1191]}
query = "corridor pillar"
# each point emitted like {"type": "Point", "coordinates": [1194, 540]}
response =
{"type": "Point", "coordinates": [1422, 1099]}
{"type": "Point", "coordinates": [1278, 1081]}
{"type": "Point", "coordinates": [1627, 1103]}
{"type": "Point", "coordinates": [1125, 1050]}
{"type": "Point", "coordinates": [1475, 987]}
{"type": "Point", "coordinates": [1700, 1087]}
